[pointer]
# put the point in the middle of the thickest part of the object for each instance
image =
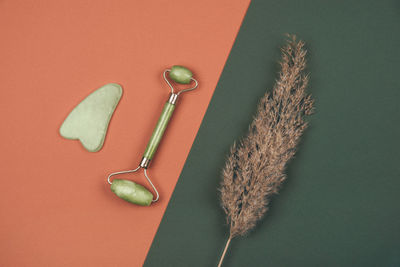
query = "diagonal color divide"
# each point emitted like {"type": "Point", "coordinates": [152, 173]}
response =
{"type": "Point", "coordinates": [339, 205]}
{"type": "Point", "coordinates": [56, 206]}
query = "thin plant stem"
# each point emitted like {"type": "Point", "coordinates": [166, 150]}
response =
{"type": "Point", "coordinates": [225, 250]}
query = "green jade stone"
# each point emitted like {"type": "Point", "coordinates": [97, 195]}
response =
{"type": "Point", "coordinates": [88, 121]}
{"type": "Point", "coordinates": [180, 74]}
{"type": "Point", "coordinates": [132, 192]}
{"type": "Point", "coordinates": [159, 131]}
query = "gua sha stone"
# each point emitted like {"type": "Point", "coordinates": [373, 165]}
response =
{"type": "Point", "coordinates": [88, 121]}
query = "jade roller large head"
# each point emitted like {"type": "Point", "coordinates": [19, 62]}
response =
{"type": "Point", "coordinates": [136, 193]}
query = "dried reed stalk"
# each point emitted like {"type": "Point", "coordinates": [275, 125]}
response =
{"type": "Point", "coordinates": [254, 170]}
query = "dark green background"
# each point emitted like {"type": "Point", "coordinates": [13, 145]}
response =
{"type": "Point", "coordinates": [340, 204]}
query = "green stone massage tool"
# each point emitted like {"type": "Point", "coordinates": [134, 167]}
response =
{"type": "Point", "coordinates": [88, 121]}
{"type": "Point", "coordinates": [136, 193]}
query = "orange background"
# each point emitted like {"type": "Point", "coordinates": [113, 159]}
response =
{"type": "Point", "coordinates": [56, 207]}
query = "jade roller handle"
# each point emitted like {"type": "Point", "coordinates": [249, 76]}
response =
{"type": "Point", "coordinates": [159, 130]}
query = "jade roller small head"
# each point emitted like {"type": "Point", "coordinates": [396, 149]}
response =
{"type": "Point", "coordinates": [180, 74]}
{"type": "Point", "coordinates": [136, 193]}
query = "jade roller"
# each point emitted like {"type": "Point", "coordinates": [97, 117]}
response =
{"type": "Point", "coordinates": [131, 191]}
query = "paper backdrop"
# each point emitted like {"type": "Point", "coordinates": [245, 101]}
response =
{"type": "Point", "coordinates": [56, 207]}
{"type": "Point", "coordinates": [340, 203]}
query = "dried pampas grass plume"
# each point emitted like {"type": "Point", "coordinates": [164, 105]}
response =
{"type": "Point", "coordinates": [254, 170]}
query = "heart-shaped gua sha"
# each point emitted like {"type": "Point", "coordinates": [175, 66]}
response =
{"type": "Point", "coordinates": [88, 121]}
